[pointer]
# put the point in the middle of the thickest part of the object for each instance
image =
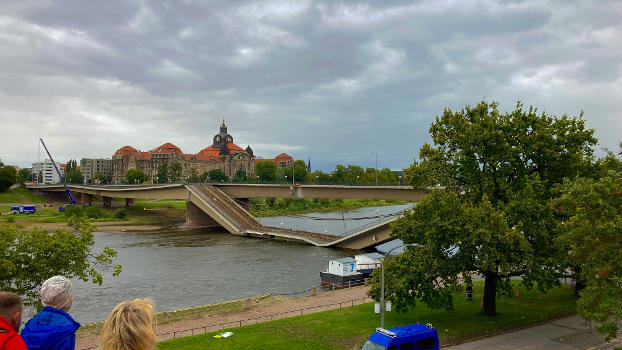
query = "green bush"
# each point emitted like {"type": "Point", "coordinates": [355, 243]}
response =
{"type": "Point", "coordinates": [10, 219]}
{"type": "Point", "coordinates": [119, 214]}
{"type": "Point", "coordinates": [93, 212]}
{"type": "Point", "coordinates": [76, 210]}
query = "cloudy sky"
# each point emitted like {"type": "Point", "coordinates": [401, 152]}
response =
{"type": "Point", "coordinates": [321, 79]}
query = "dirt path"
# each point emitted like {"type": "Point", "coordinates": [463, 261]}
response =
{"type": "Point", "coordinates": [262, 311]}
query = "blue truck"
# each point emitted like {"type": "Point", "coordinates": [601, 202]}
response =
{"type": "Point", "coordinates": [410, 337]}
{"type": "Point", "coordinates": [23, 209]}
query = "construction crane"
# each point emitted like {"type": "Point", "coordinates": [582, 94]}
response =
{"type": "Point", "coordinates": [62, 179]}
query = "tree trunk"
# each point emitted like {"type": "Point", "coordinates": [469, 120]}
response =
{"type": "Point", "coordinates": [490, 294]}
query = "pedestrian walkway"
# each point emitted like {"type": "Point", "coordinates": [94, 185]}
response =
{"type": "Point", "coordinates": [568, 333]}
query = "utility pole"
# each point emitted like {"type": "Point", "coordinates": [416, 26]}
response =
{"type": "Point", "coordinates": [376, 155]}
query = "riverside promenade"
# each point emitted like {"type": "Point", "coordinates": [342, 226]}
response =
{"type": "Point", "coordinates": [568, 333]}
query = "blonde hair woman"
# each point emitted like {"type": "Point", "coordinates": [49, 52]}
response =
{"type": "Point", "coordinates": [130, 326]}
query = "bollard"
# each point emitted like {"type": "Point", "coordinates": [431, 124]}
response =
{"type": "Point", "coordinates": [333, 287]}
{"type": "Point", "coordinates": [348, 284]}
{"type": "Point", "coordinates": [367, 281]}
{"type": "Point", "coordinates": [313, 291]}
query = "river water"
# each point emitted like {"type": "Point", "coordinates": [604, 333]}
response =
{"type": "Point", "coordinates": [185, 268]}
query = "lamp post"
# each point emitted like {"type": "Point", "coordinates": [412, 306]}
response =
{"type": "Point", "coordinates": [293, 166]}
{"type": "Point", "coordinates": [376, 155]}
{"type": "Point", "coordinates": [357, 180]}
{"type": "Point", "coordinates": [382, 279]}
{"type": "Point", "coordinates": [400, 180]}
{"type": "Point", "coordinates": [316, 179]}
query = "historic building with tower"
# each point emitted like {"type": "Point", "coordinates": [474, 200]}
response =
{"type": "Point", "coordinates": [222, 154]}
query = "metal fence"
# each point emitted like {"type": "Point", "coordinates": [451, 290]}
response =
{"type": "Point", "coordinates": [254, 320]}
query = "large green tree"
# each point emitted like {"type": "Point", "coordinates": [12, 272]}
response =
{"type": "Point", "coordinates": [73, 176]}
{"type": "Point", "coordinates": [591, 212]}
{"type": "Point", "coordinates": [300, 171]}
{"type": "Point", "coordinates": [24, 176]}
{"type": "Point", "coordinates": [494, 175]}
{"type": "Point", "coordinates": [29, 257]}
{"type": "Point", "coordinates": [163, 173]}
{"type": "Point", "coordinates": [214, 175]}
{"type": "Point", "coordinates": [8, 176]}
{"type": "Point", "coordinates": [266, 170]}
{"type": "Point", "coordinates": [134, 176]}
{"type": "Point", "coordinates": [174, 171]}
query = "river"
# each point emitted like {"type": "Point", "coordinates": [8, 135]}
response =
{"type": "Point", "coordinates": [185, 268]}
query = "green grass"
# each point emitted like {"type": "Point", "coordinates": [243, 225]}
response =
{"type": "Point", "coordinates": [307, 205]}
{"type": "Point", "coordinates": [179, 205]}
{"type": "Point", "coordinates": [348, 328]}
{"type": "Point", "coordinates": [19, 195]}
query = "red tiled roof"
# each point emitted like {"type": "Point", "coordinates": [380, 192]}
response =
{"type": "Point", "coordinates": [283, 156]}
{"type": "Point", "coordinates": [211, 152]}
{"type": "Point", "coordinates": [142, 155]}
{"type": "Point", "coordinates": [168, 148]}
{"type": "Point", "coordinates": [125, 151]}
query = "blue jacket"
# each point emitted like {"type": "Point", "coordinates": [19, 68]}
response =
{"type": "Point", "coordinates": [50, 329]}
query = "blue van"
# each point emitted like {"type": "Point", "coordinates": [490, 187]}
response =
{"type": "Point", "coordinates": [410, 337]}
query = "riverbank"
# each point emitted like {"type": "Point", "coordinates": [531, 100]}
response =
{"type": "Point", "coordinates": [268, 207]}
{"type": "Point", "coordinates": [180, 323]}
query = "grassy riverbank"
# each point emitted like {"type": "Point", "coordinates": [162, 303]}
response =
{"type": "Point", "coordinates": [348, 328]}
{"type": "Point", "coordinates": [263, 207]}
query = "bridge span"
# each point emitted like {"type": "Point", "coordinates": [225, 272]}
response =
{"type": "Point", "coordinates": [227, 205]}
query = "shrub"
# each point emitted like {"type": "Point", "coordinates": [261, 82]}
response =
{"type": "Point", "coordinates": [119, 214]}
{"type": "Point", "coordinates": [76, 210]}
{"type": "Point", "coordinates": [93, 212]}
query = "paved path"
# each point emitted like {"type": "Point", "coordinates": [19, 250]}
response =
{"type": "Point", "coordinates": [566, 333]}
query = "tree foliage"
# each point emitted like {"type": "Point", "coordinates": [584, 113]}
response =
{"type": "Point", "coordinates": [174, 171]}
{"type": "Point", "coordinates": [8, 176]}
{"type": "Point", "coordinates": [163, 173]}
{"type": "Point", "coordinates": [135, 176]}
{"type": "Point", "coordinates": [214, 175]}
{"type": "Point", "coordinates": [24, 176]}
{"type": "Point", "coordinates": [29, 257]}
{"type": "Point", "coordinates": [266, 170]}
{"type": "Point", "coordinates": [240, 176]}
{"type": "Point", "coordinates": [73, 176]}
{"type": "Point", "coordinates": [300, 171]}
{"type": "Point", "coordinates": [591, 211]}
{"type": "Point", "coordinates": [491, 213]}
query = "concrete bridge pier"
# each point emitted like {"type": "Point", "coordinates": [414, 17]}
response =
{"type": "Point", "coordinates": [195, 217]}
{"type": "Point", "coordinates": [129, 202]}
{"type": "Point", "coordinates": [86, 199]}
{"type": "Point", "coordinates": [106, 202]}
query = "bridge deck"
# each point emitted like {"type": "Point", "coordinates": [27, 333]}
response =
{"type": "Point", "coordinates": [217, 201]}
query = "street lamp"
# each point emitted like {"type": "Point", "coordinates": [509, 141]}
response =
{"type": "Point", "coordinates": [316, 179]}
{"type": "Point", "coordinates": [376, 155]}
{"type": "Point", "coordinates": [357, 180]}
{"type": "Point", "coordinates": [382, 279]}
{"type": "Point", "coordinates": [400, 180]}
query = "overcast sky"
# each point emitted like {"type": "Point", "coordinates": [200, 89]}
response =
{"type": "Point", "coordinates": [321, 79]}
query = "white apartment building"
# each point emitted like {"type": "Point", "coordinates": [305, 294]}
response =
{"type": "Point", "coordinates": [45, 173]}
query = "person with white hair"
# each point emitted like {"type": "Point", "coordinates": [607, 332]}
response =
{"type": "Point", "coordinates": [53, 327]}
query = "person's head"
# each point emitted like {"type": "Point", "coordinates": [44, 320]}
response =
{"type": "Point", "coordinates": [130, 325]}
{"type": "Point", "coordinates": [57, 292]}
{"type": "Point", "coordinates": [11, 309]}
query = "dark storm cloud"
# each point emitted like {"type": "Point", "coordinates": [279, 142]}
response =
{"type": "Point", "coordinates": [334, 81]}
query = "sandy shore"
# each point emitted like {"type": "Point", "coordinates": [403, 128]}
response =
{"type": "Point", "coordinates": [261, 311]}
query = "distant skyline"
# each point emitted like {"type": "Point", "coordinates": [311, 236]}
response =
{"type": "Point", "coordinates": [333, 81]}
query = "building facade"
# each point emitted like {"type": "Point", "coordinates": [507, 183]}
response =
{"type": "Point", "coordinates": [90, 168]}
{"type": "Point", "coordinates": [222, 154]}
{"type": "Point", "coordinates": [44, 172]}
